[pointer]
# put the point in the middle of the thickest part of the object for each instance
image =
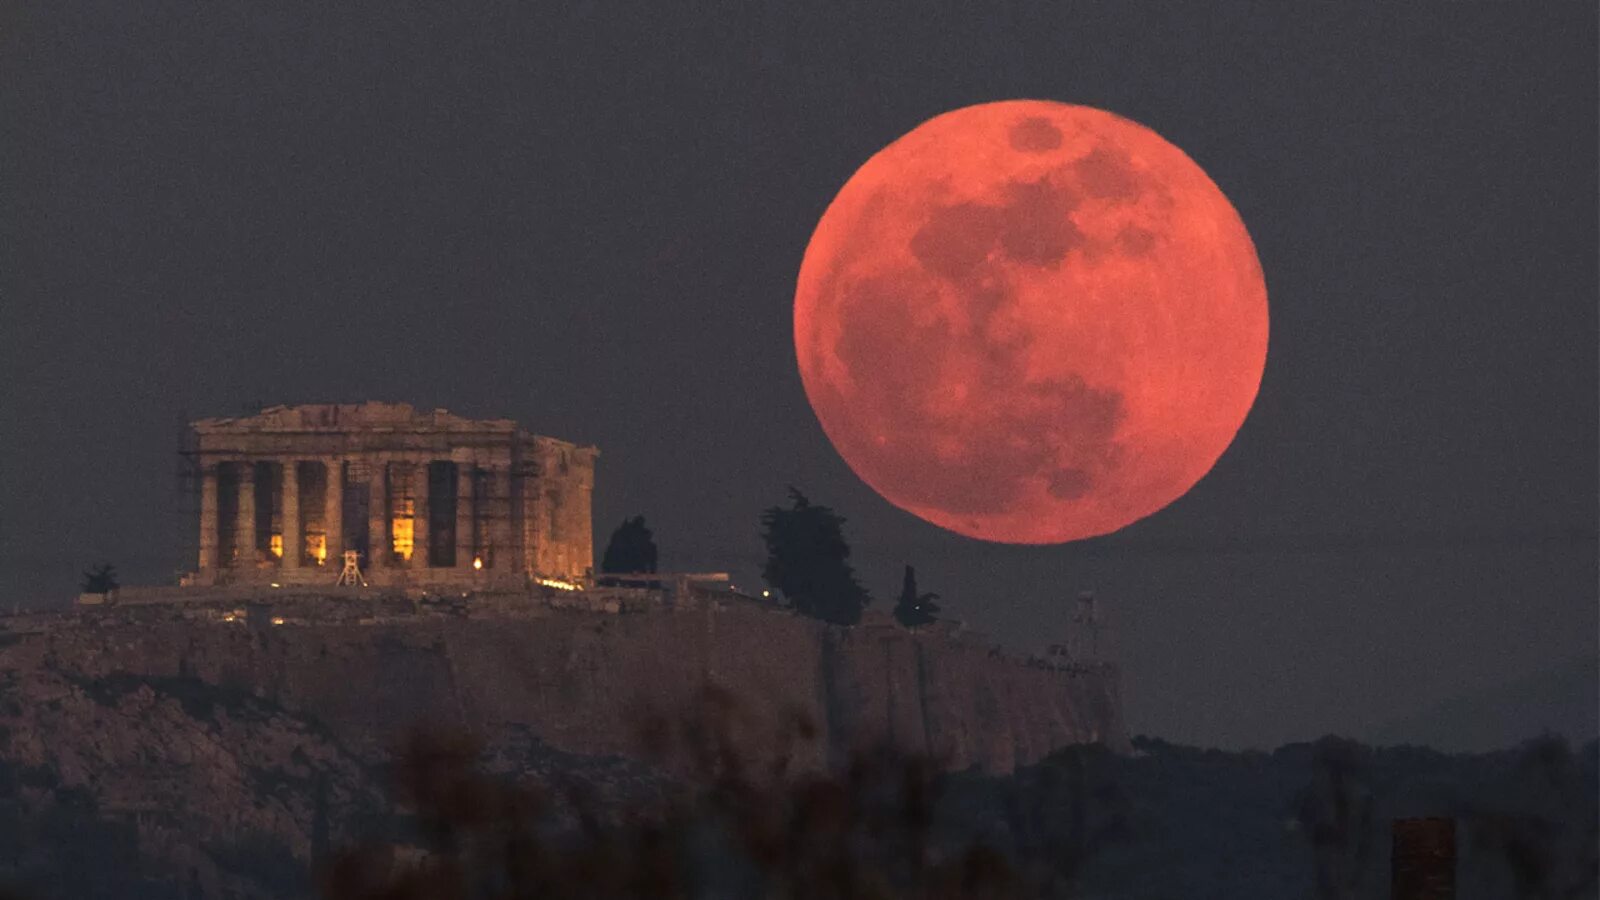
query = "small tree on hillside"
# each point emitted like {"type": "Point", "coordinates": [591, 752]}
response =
{"type": "Point", "coordinates": [101, 579]}
{"type": "Point", "coordinates": [808, 561]}
{"type": "Point", "coordinates": [631, 549]}
{"type": "Point", "coordinates": [913, 609]}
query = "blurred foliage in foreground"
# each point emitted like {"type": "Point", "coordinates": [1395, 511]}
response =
{"type": "Point", "coordinates": [1171, 821]}
{"type": "Point", "coordinates": [736, 828]}
{"type": "Point", "coordinates": [1307, 820]}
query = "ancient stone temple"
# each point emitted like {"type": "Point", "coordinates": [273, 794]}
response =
{"type": "Point", "coordinates": [423, 498]}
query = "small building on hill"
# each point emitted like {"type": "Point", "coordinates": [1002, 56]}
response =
{"type": "Point", "coordinates": [421, 498]}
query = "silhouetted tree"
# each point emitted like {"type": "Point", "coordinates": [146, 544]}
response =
{"type": "Point", "coordinates": [101, 579]}
{"type": "Point", "coordinates": [913, 609]}
{"type": "Point", "coordinates": [808, 561]}
{"type": "Point", "coordinates": [631, 548]}
{"type": "Point", "coordinates": [1538, 825]}
{"type": "Point", "coordinates": [1337, 812]}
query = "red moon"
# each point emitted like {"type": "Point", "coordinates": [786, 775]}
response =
{"type": "Point", "coordinates": [1031, 322]}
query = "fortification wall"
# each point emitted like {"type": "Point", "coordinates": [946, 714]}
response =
{"type": "Point", "coordinates": [585, 682]}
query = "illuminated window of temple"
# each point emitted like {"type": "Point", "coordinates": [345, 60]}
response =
{"type": "Point", "coordinates": [401, 528]}
{"type": "Point", "coordinates": [317, 547]}
{"type": "Point", "coordinates": [276, 545]}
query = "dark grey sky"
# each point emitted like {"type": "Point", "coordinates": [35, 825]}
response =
{"type": "Point", "coordinates": [589, 218]}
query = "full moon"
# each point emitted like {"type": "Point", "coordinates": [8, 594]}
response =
{"type": "Point", "coordinates": [1031, 322]}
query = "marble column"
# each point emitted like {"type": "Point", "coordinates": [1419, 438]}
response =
{"type": "Point", "coordinates": [419, 515]}
{"type": "Point", "coordinates": [333, 511]}
{"type": "Point", "coordinates": [521, 507]}
{"type": "Point", "coordinates": [584, 538]}
{"type": "Point", "coordinates": [208, 516]}
{"type": "Point", "coordinates": [465, 515]}
{"type": "Point", "coordinates": [244, 532]}
{"type": "Point", "coordinates": [499, 518]}
{"type": "Point", "coordinates": [294, 537]}
{"type": "Point", "coordinates": [379, 550]}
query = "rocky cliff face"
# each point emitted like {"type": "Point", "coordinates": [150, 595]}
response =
{"type": "Point", "coordinates": [127, 786]}
{"type": "Point", "coordinates": [580, 681]}
{"type": "Point", "coordinates": [207, 735]}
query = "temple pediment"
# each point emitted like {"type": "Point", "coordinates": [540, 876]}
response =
{"type": "Point", "coordinates": [370, 416]}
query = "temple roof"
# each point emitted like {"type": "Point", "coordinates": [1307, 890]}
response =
{"type": "Point", "coordinates": [342, 417]}
{"type": "Point", "coordinates": [363, 424]}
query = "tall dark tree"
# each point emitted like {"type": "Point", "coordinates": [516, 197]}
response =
{"type": "Point", "coordinates": [631, 549]}
{"type": "Point", "coordinates": [808, 561]}
{"type": "Point", "coordinates": [913, 609]}
{"type": "Point", "coordinates": [101, 579]}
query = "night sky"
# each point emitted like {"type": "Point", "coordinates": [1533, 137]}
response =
{"type": "Point", "coordinates": [589, 218]}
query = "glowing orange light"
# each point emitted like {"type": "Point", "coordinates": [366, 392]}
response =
{"type": "Point", "coordinates": [477, 562]}
{"type": "Point", "coordinates": [401, 527]}
{"type": "Point", "coordinates": [276, 545]}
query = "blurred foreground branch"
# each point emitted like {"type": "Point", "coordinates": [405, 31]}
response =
{"type": "Point", "coordinates": [736, 827]}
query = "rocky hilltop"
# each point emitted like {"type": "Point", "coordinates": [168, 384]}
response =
{"type": "Point", "coordinates": [581, 679]}
{"type": "Point", "coordinates": [122, 786]}
{"type": "Point", "coordinates": [208, 730]}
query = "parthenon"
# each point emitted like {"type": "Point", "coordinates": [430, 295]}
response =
{"type": "Point", "coordinates": [423, 498]}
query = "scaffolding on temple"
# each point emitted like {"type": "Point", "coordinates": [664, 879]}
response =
{"type": "Point", "coordinates": [352, 570]}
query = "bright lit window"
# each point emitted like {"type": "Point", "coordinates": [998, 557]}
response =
{"type": "Point", "coordinates": [401, 528]}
